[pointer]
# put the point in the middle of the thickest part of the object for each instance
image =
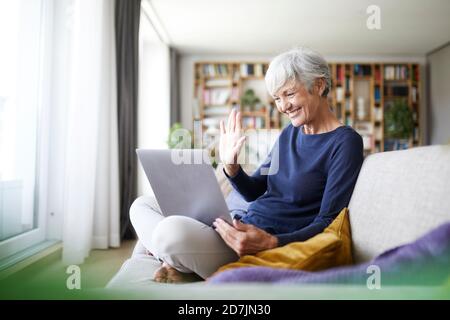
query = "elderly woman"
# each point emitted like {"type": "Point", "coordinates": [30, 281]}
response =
{"type": "Point", "coordinates": [306, 181]}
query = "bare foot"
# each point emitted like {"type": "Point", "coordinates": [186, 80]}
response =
{"type": "Point", "coordinates": [167, 274]}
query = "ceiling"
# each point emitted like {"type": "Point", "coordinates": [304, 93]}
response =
{"type": "Point", "coordinates": [333, 27]}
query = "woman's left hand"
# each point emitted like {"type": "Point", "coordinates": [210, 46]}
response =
{"type": "Point", "coordinates": [244, 238]}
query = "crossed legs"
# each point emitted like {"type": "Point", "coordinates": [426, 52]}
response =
{"type": "Point", "coordinates": [188, 249]}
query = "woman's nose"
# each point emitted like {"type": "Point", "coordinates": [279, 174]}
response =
{"type": "Point", "coordinates": [284, 105]}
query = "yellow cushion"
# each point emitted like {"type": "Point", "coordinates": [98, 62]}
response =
{"type": "Point", "coordinates": [328, 249]}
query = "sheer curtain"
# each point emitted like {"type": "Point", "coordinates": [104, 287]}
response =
{"type": "Point", "coordinates": [89, 174]}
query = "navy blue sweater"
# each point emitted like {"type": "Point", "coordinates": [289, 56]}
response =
{"type": "Point", "coordinates": [305, 182]}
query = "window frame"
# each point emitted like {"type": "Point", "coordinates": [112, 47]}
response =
{"type": "Point", "coordinates": [25, 240]}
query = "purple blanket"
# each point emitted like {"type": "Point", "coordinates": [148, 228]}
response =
{"type": "Point", "coordinates": [423, 262]}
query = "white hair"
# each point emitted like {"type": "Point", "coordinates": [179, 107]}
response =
{"type": "Point", "coordinates": [300, 64]}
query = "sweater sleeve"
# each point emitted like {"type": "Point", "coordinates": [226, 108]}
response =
{"type": "Point", "coordinates": [254, 186]}
{"type": "Point", "coordinates": [343, 171]}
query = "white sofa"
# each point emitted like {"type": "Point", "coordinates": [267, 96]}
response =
{"type": "Point", "coordinates": [398, 197]}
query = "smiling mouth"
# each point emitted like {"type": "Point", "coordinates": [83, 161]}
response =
{"type": "Point", "coordinates": [294, 113]}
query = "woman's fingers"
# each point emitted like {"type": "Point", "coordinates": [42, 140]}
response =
{"type": "Point", "coordinates": [238, 121]}
{"type": "Point", "coordinates": [227, 232]}
{"type": "Point", "coordinates": [238, 145]}
{"type": "Point", "coordinates": [234, 121]}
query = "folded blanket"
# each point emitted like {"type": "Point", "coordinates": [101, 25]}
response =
{"type": "Point", "coordinates": [328, 249]}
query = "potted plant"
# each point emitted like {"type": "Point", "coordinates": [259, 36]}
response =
{"type": "Point", "coordinates": [249, 100]}
{"type": "Point", "coordinates": [398, 124]}
{"type": "Point", "coordinates": [179, 137]}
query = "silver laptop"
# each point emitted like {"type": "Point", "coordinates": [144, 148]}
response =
{"type": "Point", "coordinates": [184, 184]}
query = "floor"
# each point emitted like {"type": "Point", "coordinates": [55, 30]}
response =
{"type": "Point", "coordinates": [102, 265]}
{"type": "Point", "coordinates": [50, 274]}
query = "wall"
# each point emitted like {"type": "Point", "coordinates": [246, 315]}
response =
{"type": "Point", "coordinates": [439, 97]}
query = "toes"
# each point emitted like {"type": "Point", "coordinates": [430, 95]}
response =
{"type": "Point", "coordinates": [167, 274]}
{"type": "Point", "coordinates": [174, 275]}
{"type": "Point", "coordinates": [160, 275]}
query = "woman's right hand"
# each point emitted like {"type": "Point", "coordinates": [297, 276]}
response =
{"type": "Point", "coordinates": [231, 142]}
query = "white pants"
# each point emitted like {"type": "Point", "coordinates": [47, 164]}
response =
{"type": "Point", "coordinates": [184, 243]}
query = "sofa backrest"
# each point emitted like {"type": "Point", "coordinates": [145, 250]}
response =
{"type": "Point", "coordinates": [398, 197]}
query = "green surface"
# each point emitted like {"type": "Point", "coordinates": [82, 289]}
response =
{"type": "Point", "coordinates": [58, 290]}
{"type": "Point", "coordinates": [47, 279]}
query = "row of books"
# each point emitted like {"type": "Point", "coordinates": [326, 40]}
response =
{"type": "Point", "coordinates": [214, 70]}
{"type": "Point", "coordinates": [362, 70]}
{"type": "Point", "coordinates": [397, 72]}
{"type": "Point", "coordinates": [216, 96]}
{"type": "Point", "coordinates": [340, 94]}
{"type": "Point", "coordinates": [396, 91]}
{"type": "Point", "coordinates": [377, 74]}
{"type": "Point", "coordinates": [340, 73]}
{"type": "Point", "coordinates": [415, 73]}
{"type": "Point", "coordinates": [245, 69]}
{"type": "Point", "coordinates": [378, 113]}
{"type": "Point", "coordinates": [414, 96]}
{"type": "Point", "coordinates": [395, 144]}
{"type": "Point", "coordinates": [254, 122]}
{"type": "Point", "coordinates": [377, 94]}
{"type": "Point", "coordinates": [252, 69]}
{"type": "Point", "coordinates": [378, 133]}
{"type": "Point", "coordinates": [391, 72]}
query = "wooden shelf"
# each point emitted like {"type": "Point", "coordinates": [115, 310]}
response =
{"type": "Point", "coordinates": [395, 97]}
{"type": "Point", "coordinates": [252, 77]}
{"type": "Point", "coordinates": [239, 72]}
{"type": "Point", "coordinates": [397, 80]}
{"type": "Point", "coordinates": [254, 113]}
{"type": "Point", "coordinates": [380, 77]}
{"type": "Point", "coordinates": [217, 77]}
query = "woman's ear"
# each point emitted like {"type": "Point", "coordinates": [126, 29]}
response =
{"type": "Point", "coordinates": [320, 85]}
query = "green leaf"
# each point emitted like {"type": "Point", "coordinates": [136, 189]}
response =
{"type": "Point", "coordinates": [398, 121]}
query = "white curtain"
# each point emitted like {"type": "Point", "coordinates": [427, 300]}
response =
{"type": "Point", "coordinates": [90, 172]}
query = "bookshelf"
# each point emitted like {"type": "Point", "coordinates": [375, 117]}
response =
{"type": "Point", "coordinates": [360, 94]}
{"type": "Point", "coordinates": [219, 87]}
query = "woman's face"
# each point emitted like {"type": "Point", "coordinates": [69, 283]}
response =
{"type": "Point", "coordinates": [294, 100]}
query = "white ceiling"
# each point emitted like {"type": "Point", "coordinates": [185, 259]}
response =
{"type": "Point", "coordinates": [333, 27]}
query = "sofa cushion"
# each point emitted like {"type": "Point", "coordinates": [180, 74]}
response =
{"type": "Point", "coordinates": [328, 249]}
{"type": "Point", "coordinates": [398, 197]}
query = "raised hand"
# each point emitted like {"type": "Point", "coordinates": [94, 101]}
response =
{"type": "Point", "coordinates": [231, 142]}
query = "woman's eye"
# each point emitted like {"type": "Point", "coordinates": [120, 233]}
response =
{"type": "Point", "coordinates": [290, 94]}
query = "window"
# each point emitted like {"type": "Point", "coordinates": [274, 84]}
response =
{"type": "Point", "coordinates": [154, 90]}
{"type": "Point", "coordinates": [22, 39]}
